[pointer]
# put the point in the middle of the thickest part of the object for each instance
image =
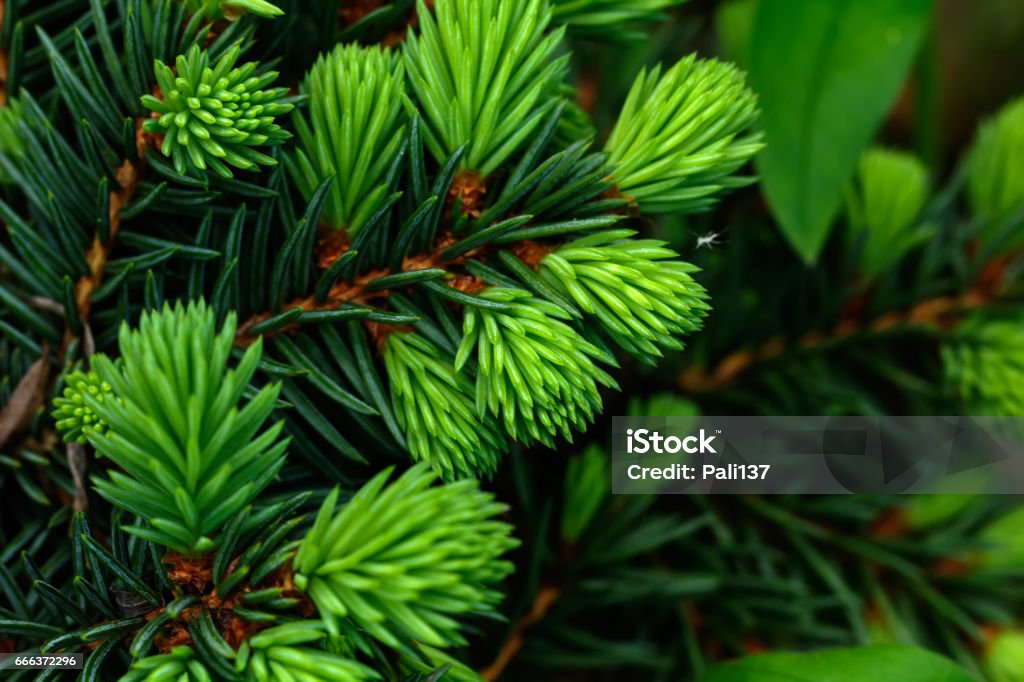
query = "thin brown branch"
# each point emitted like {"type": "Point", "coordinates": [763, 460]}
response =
{"type": "Point", "coordinates": [542, 603]}
{"type": "Point", "coordinates": [46, 304]}
{"type": "Point", "coordinates": [357, 291]}
{"type": "Point", "coordinates": [96, 257]}
{"type": "Point", "coordinates": [934, 313]}
{"type": "Point", "coordinates": [469, 188]}
{"type": "Point", "coordinates": [127, 179]}
{"type": "Point", "coordinates": [587, 91]}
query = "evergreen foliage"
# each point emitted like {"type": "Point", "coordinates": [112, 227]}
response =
{"type": "Point", "coordinates": [1002, 548]}
{"type": "Point", "coordinates": [586, 485]}
{"type": "Point", "coordinates": [212, 116]}
{"type": "Point", "coordinates": [435, 407]}
{"type": "Point", "coordinates": [1004, 657]}
{"type": "Point", "coordinates": [74, 418]}
{"type": "Point", "coordinates": [681, 136]}
{"type": "Point", "coordinates": [276, 654]}
{"type": "Point", "coordinates": [232, 9]}
{"type": "Point", "coordinates": [403, 560]}
{"type": "Point", "coordinates": [188, 457]}
{"type": "Point", "coordinates": [983, 368]}
{"type": "Point", "coordinates": [536, 373]}
{"type": "Point", "coordinates": [610, 20]}
{"type": "Point", "coordinates": [644, 298]}
{"type": "Point", "coordinates": [484, 73]}
{"type": "Point", "coordinates": [355, 94]}
{"type": "Point", "coordinates": [179, 664]}
{"type": "Point", "coordinates": [277, 424]}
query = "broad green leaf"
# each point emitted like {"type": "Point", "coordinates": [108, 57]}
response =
{"type": "Point", "coordinates": [827, 73]}
{"type": "Point", "coordinates": [734, 27]}
{"type": "Point", "coordinates": [864, 664]}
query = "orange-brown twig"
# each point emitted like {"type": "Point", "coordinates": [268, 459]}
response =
{"type": "Point", "coordinates": [469, 188]}
{"type": "Point", "coordinates": [933, 313]}
{"type": "Point", "coordinates": [356, 291]}
{"type": "Point", "coordinates": [542, 603]}
{"type": "Point", "coordinates": [127, 178]}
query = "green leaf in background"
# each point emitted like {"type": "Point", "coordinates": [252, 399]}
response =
{"type": "Point", "coordinates": [864, 664]}
{"type": "Point", "coordinates": [826, 73]}
{"type": "Point", "coordinates": [734, 28]}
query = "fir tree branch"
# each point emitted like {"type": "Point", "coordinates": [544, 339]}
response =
{"type": "Point", "coordinates": [357, 291]}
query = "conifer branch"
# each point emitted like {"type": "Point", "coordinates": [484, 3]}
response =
{"type": "Point", "coordinates": [481, 275]}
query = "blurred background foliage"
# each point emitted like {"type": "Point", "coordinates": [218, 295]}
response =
{"type": "Point", "coordinates": [910, 303]}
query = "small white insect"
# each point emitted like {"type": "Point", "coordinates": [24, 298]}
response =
{"type": "Point", "coordinates": [710, 240]}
